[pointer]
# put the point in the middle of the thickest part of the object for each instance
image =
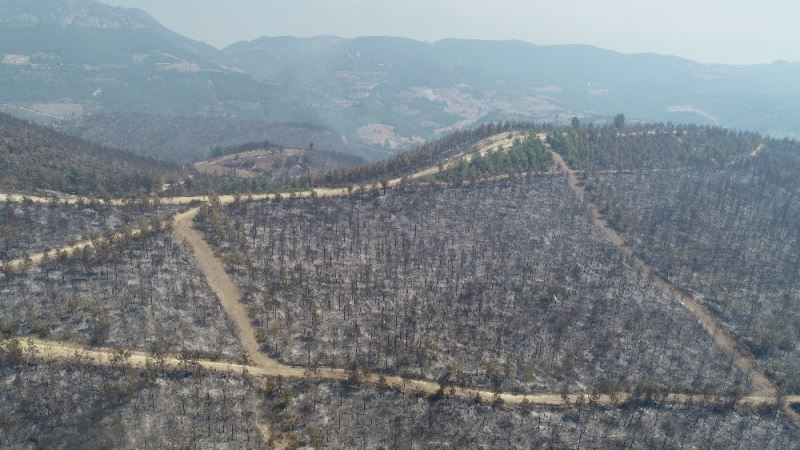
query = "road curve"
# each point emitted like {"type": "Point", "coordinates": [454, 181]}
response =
{"type": "Point", "coordinates": [263, 366]}
{"type": "Point", "coordinates": [501, 141]}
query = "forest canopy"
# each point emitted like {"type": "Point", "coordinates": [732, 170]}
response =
{"type": "Point", "coordinates": [34, 157]}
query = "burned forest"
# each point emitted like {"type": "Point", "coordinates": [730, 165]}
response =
{"type": "Point", "coordinates": [512, 286]}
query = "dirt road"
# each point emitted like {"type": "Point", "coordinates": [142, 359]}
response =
{"type": "Point", "coordinates": [230, 297]}
{"type": "Point", "coordinates": [226, 290]}
{"type": "Point", "coordinates": [262, 366]}
{"type": "Point", "coordinates": [36, 258]}
{"type": "Point", "coordinates": [757, 151]}
{"type": "Point", "coordinates": [742, 357]}
{"type": "Point", "coordinates": [60, 352]}
{"type": "Point", "coordinates": [502, 141]}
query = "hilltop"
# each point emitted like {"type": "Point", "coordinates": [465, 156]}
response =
{"type": "Point", "coordinates": [190, 137]}
{"type": "Point", "coordinates": [33, 157]}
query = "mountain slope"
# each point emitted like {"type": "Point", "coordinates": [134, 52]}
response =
{"type": "Point", "coordinates": [101, 72]}
{"type": "Point", "coordinates": [90, 54]}
{"type": "Point", "coordinates": [82, 13]}
{"type": "Point", "coordinates": [468, 81]}
{"type": "Point", "coordinates": [192, 137]}
{"type": "Point", "coordinates": [33, 157]}
{"type": "Point", "coordinates": [64, 62]}
{"type": "Point", "coordinates": [271, 162]}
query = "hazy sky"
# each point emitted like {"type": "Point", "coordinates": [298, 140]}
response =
{"type": "Point", "coordinates": [726, 31]}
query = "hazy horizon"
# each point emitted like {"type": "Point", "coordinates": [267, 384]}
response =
{"type": "Point", "coordinates": [730, 32]}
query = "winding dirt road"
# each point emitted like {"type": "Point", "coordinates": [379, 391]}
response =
{"type": "Point", "coordinates": [48, 351]}
{"type": "Point", "coordinates": [36, 258]}
{"type": "Point", "coordinates": [502, 141]}
{"type": "Point", "coordinates": [261, 365]}
{"type": "Point", "coordinates": [742, 357]}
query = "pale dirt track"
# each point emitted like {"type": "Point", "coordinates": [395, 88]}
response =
{"type": "Point", "coordinates": [262, 366]}
{"type": "Point", "coordinates": [48, 351]}
{"type": "Point", "coordinates": [230, 297]}
{"type": "Point", "coordinates": [502, 141]}
{"type": "Point", "coordinates": [36, 258]}
{"type": "Point", "coordinates": [226, 290]}
{"type": "Point", "coordinates": [742, 357]}
{"type": "Point", "coordinates": [757, 151]}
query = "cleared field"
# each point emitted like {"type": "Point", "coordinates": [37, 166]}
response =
{"type": "Point", "coordinates": [275, 163]}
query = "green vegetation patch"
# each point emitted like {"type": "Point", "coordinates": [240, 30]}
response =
{"type": "Point", "coordinates": [526, 155]}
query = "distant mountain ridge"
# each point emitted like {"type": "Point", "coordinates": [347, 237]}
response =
{"type": "Point", "coordinates": [82, 13]}
{"type": "Point", "coordinates": [63, 62]}
{"type": "Point", "coordinates": [102, 72]}
{"type": "Point", "coordinates": [521, 80]}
